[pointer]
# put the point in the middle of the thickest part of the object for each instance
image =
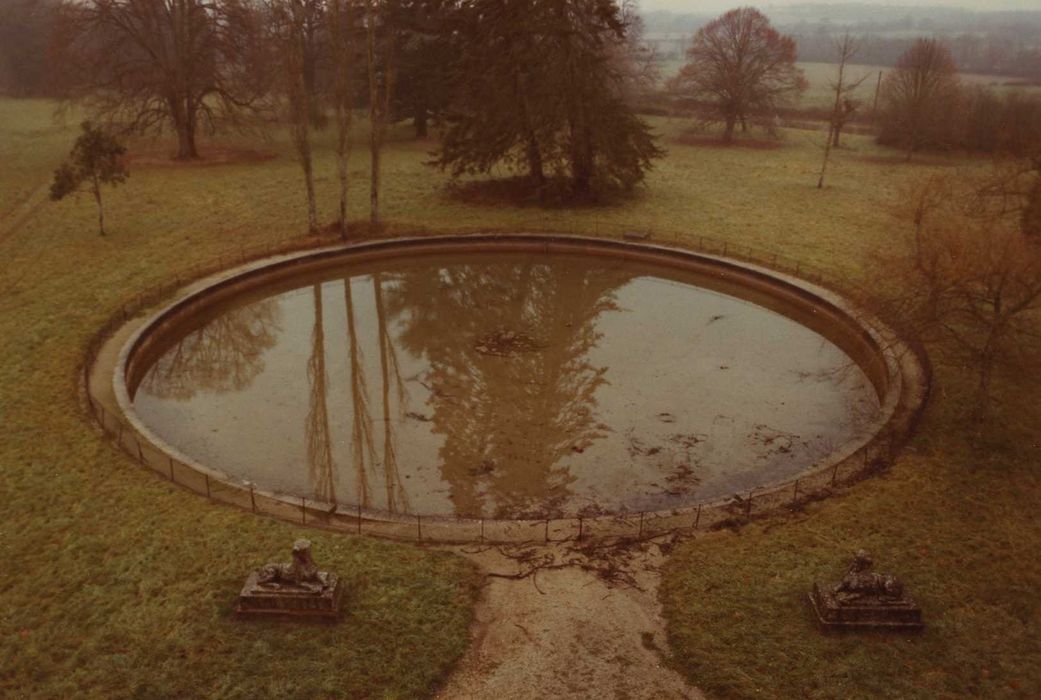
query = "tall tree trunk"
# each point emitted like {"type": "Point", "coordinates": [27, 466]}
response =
{"type": "Point", "coordinates": [374, 182]}
{"type": "Point", "coordinates": [342, 71]}
{"type": "Point", "coordinates": [186, 149]}
{"type": "Point", "coordinates": [96, 188]}
{"type": "Point", "coordinates": [534, 155]}
{"type": "Point", "coordinates": [376, 116]}
{"type": "Point", "coordinates": [183, 116]}
{"type": "Point", "coordinates": [581, 156]}
{"type": "Point", "coordinates": [827, 155]}
{"type": "Point", "coordinates": [300, 100]}
{"type": "Point", "coordinates": [308, 168]}
{"type": "Point", "coordinates": [342, 158]}
{"type": "Point", "coordinates": [728, 132]}
{"type": "Point", "coordinates": [982, 408]}
{"type": "Point", "coordinates": [420, 122]}
{"type": "Point", "coordinates": [302, 140]}
{"type": "Point", "coordinates": [834, 124]}
{"type": "Point", "coordinates": [532, 150]}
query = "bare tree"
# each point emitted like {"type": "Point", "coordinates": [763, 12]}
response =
{"type": "Point", "coordinates": [293, 26]}
{"type": "Point", "coordinates": [972, 283]}
{"type": "Point", "coordinates": [742, 67]}
{"type": "Point", "coordinates": [919, 97]}
{"type": "Point", "coordinates": [844, 105]}
{"type": "Point", "coordinates": [381, 49]}
{"type": "Point", "coordinates": [148, 64]}
{"type": "Point", "coordinates": [340, 21]}
{"type": "Point", "coordinates": [1014, 188]}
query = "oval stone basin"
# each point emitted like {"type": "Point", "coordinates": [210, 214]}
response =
{"type": "Point", "coordinates": [504, 384]}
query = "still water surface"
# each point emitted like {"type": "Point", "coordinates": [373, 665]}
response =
{"type": "Point", "coordinates": [504, 385]}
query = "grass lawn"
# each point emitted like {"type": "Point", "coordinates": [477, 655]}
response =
{"type": "Point", "coordinates": [115, 583]}
{"type": "Point", "coordinates": [119, 584]}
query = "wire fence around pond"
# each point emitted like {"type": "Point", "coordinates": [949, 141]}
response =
{"type": "Point", "coordinates": [815, 483]}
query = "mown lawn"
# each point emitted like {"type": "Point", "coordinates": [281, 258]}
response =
{"type": "Point", "coordinates": [117, 583]}
{"type": "Point", "coordinates": [114, 583]}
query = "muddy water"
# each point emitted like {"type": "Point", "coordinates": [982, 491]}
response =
{"type": "Point", "coordinates": [505, 385]}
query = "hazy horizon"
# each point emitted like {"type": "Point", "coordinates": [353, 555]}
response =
{"type": "Point", "coordinates": [698, 6]}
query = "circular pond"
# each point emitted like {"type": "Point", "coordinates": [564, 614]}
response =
{"type": "Point", "coordinates": [505, 380]}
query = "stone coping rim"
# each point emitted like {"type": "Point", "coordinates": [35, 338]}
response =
{"type": "Point", "coordinates": [905, 391]}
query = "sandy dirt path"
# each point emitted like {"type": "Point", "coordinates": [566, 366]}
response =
{"type": "Point", "coordinates": [567, 632]}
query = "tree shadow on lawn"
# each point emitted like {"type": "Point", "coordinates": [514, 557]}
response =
{"type": "Point", "coordinates": [703, 140]}
{"type": "Point", "coordinates": [154, 156]}
{"type": "Point", "coordinates": [555, 194]}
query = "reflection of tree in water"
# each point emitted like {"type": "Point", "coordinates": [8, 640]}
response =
{"type": "Point", "coordinates": [509, 423]}
{"type": "Point", "coordinates": [224, 355]}
{"type": "Point", "coordinates": [390, 370]}
{"type": "Point", "coordinates": [363, 450]}
{"type": "Point", "coordinates": [316, 428]}
{"type": "Point", "coordinates": [363, 438]}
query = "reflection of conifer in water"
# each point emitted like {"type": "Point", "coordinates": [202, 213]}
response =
{"type": "Point", "coordinates": [397, 498]}
{"type": "Point", "coordinates": [319, 451]}
{"type": "Point", "coordinates": [363, 449]}
{"type": "Point", "coordinates": [510, 424]}
{"type": "Point", "coordinates": [225, 354]}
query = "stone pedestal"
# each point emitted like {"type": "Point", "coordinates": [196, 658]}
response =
{"type": "Point", "coordinates": [867, 613]}
{"type": "Point", "coordinates": [297, 590]}
{"type": "Point", "coordinates": [289, 602]}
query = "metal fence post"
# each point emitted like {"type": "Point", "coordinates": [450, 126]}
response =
{"type": "Point", "coordinates": [697, 518]}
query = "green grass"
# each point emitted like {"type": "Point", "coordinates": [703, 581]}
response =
{"type": "Point", "coordinates": [116, 583]}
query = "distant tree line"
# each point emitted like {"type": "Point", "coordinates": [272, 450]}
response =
{"type": "Point", "coordinates": [539, 88]}
{"type": "Point", "coordinates": [924, 106]}
{"type": "Point", "coordinates": [993, 43]}
{"type": "Point", "coordinates": [26, 32]}
{"type": "Point", "coordinates": [989, 54]}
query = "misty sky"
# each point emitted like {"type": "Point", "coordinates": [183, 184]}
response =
{"type": "Point", "coordinates": [699, 6]}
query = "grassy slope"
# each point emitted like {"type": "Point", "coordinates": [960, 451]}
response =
{"type": "Point", "coordinates": [116, 584]}
{"type": "Point", "coordinates": [79, 503]}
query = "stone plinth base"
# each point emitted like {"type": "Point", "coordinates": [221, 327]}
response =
{"type": "Point", "coordinates": [287, 601]}
{"type": "Point", "coordinates": [901, 613]}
